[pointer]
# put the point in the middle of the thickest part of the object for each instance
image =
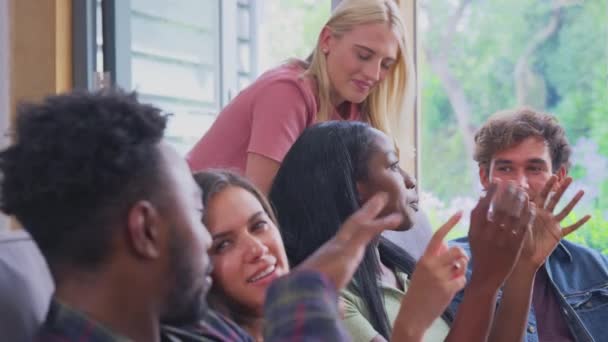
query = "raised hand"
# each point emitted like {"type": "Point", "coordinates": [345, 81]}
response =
{"type": "Point", "coordinates": [439, 275]}
{"type": "Point", "coordinates": [339, 257]}
{"type": "Point", "coordinates": [546, 231]}
{"type": "Point", "coordinates": [543, 236]}
{"type": "Point", "coordinates": [499, 224]}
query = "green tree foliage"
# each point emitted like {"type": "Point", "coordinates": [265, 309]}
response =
{"type": "Point", "coordinates": [289, 29]}
{"type": "Point", "coordinates": [566, 73]}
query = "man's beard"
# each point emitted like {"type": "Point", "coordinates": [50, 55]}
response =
{"type": "Point", "coordinates": [187, 302]}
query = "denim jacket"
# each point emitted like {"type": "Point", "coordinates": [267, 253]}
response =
{"type": "Point", "coordinates": [580, 277]}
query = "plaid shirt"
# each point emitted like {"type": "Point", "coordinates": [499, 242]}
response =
{"type": "Point", "coordinates": [213, 327]}
{"type": "Point", "coordinates": [301, 306]}
{"type": "Point", "coordinates": [65, 324]}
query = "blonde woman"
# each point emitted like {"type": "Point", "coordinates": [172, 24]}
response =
{"type": "Point", "coordinates": [360, 70]}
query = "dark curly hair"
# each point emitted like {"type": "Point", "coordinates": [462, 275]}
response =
{"type": "Point", "coordinates": [510, 127]}
{"type": "Point", "coordinates": [79, 160]}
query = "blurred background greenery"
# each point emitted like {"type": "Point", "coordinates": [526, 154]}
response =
{"type": "Point", "coordinates": [480, 56]}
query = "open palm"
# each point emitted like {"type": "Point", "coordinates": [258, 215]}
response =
{"type": "Point", "coordinates": [546, 231]}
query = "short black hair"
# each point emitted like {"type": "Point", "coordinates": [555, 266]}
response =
{"type": "Point", "coordinates": [77, 163]}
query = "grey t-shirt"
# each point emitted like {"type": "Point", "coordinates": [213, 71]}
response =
{"type": "Point", "coordinates": [26, 286]}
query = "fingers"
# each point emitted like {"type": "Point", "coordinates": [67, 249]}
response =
{"type": "Point", "coordinates": [363, 218]}
{"type": "Point", "coordinates": [533, 211]}
{"type": "Point", "coordinates": [509, 200]}
{"type": "Point", "coordinates": [435, 245]}
{"type": "Point", "coordinates": [558, 194]}
{"type": "Point", "coordinates": [447, 270]}
{"type": "Point", "coordinates": [509, 227]}
{"type": "Point", "coordinates": [372, 208]}
{"type": "Point", "coordinates": [566, 231]}
{"type": "Point", "coordinates": [542, 197]}
{"type": "Point", "coordinates": [491, 191]}
{"type": "Point", "coordinates": [568, 208]}
{"type": "Point", "coordinates": [453, 254]}
{"type": "Point", "coordinates": [377, 226]}
{"type": "Point", "coordinates": [524, 222]}
{"type": "Point", "coordinates": [450, 265]}
{"type": "Point", "coordinates": [485, 203]}
{"type": "Point", "coordinates": [528, 216]}
{"type": "Point", "coordinates": [362, 226]}
{"type": "Point", "coordinates": [509, 203]}
{"type": "Point", "coordinates": [457, 284]}
{"type": "Point", "coordinates": [459, 268]}
{"type": "Point", "coordinates": [443, 248]}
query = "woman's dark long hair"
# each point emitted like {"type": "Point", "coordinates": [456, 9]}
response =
{"type": "Point", "coordinates": [315, 191]}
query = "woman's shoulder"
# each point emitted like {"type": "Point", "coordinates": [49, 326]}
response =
{"type": "Point", "coordinates": [290, 69]}
{"type": "Point", "coordinates": [351, 296]}
{"type": "Point", "coordinates": [290, 75]}
{"type": "Point", "coordinates": [285, 85]}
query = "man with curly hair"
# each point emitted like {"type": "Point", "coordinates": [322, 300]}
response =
{"type": "Point", "coordinates": [114, 212]}
{"type": "Point", "coordinates": [569, 301]}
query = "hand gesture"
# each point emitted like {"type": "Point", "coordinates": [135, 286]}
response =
{"type": "Point", "coordinates": [546, 231]}
{"type": "Point", "coordinates": [439, 275]}
{"type": "Point", "coordinates": [499, 224]}
{"type": "Point", "coordinates": [339, 257]}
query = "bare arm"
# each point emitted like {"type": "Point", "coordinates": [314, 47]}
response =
{"type": "Point", "coordinates": [476, 312]}
{"type": "Point", "coordinates": [544, 235]}
{"type": "Point", "coordinates": [261, 171]}
{"type": "Point", "coordinates": [438, 276]}
{"type": "Point", "coordinates": [512, 314]}
{"type": "Point", "coordinates": [496, 237]}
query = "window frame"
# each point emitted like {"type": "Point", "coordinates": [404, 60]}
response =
{"type": "Point", "coordinates": [117, 47]}
{"type": "Point", "coordinates": [84, 32]}
{"type": "Point", "coordinates": [228, 51]}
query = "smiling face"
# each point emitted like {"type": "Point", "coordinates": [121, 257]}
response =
{"type": "Point", "coordinates": [385, 175]}
{"type": "Point", "coordinates": [358, 60]}
{"type": "Point", "coordinates": [247, 249]}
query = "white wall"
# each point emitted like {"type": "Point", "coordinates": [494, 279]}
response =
{"type": "Point", "coordinates": [4, 82]}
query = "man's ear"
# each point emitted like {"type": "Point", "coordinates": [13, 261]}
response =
{"type": "Point", "coordinates": [484, 176]}
{"type": "Point", "coordinates": [144, 230]}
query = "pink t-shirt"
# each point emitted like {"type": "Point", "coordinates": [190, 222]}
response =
{"type": "Point", "coordinates": [266, 118]}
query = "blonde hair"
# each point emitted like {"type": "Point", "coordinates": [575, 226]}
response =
{"type": "Point", "coordinates": [388, 99]}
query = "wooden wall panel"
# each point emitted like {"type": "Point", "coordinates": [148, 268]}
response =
{"type": "Point", "coordinates": [40, 55]}
{"type": "Point", "coordinates": [40, 40]}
